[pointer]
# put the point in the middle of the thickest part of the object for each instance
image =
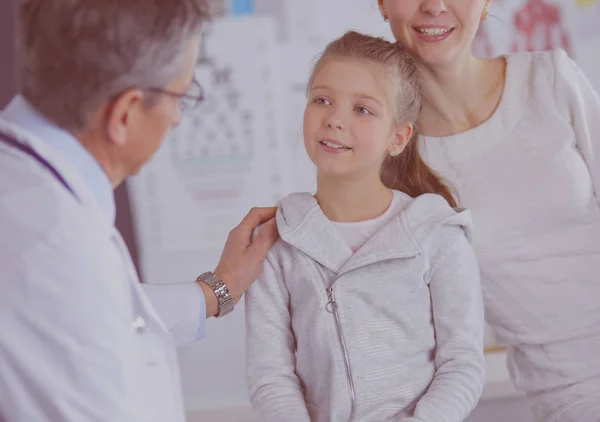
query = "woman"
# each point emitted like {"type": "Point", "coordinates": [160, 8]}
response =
{"type": "Point", "coordinates": [518, 137]}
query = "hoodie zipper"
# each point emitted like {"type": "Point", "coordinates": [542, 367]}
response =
{"type": "Point", "coordinates": [332, 308]}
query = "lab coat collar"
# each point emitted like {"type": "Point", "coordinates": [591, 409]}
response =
{"type": "Point", "coordinates": [21, 113]}
{"type": "Point", "coordinates": [61, 164]}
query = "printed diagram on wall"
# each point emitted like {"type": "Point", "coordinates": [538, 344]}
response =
{"type": "Point", "coordinates": [527, 25]}
{"type": "Point", "coordinates": [538, 25]}
{"type": "Point", "coordinates": [230, 145]}
{"type": "Point", "coordinates": [213, 153]}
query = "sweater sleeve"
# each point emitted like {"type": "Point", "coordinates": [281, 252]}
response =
{"type": "Point", "coordinates": [458, 320]}
{"type": "Point", "coordinates": [275, 390]}
{"type": "Point", "coordinates": [579, 104]}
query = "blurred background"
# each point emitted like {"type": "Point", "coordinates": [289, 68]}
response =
{"type": "Point", "coordinates": [244, 148]}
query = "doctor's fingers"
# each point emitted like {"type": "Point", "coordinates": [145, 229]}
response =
{"type": "Point", "coordinates": [253, 219]}
{"type": "Point", "coordinates": [267, 235]}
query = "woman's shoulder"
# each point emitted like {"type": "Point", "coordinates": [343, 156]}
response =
{"type": "Point", "coordinates": [537, 69]}
{"type": "Point", "coordinates": [531, 80]}
{"type": "Point", "coordinates": [536, 61]}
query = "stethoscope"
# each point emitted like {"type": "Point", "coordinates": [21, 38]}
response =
{"type": "Point", "coordinates": [27, 150]}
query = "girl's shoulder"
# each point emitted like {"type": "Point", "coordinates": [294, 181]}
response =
{"type": "Point", "coordinates": [429, 218]}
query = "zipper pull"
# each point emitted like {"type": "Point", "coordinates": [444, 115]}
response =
{"type": "Point", "coordinates": [331, 306]}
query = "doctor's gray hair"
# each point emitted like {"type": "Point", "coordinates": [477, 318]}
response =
{"type": "Point", "coordinates": [73, 56]}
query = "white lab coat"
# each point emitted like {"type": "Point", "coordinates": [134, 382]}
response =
{"type": "Point", "coordinates": [80, 339]}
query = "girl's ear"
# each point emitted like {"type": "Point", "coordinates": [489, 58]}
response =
{"type": "Point", "coordinates": [402, 136]}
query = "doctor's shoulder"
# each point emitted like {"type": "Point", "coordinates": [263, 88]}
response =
{"type": "Point", "coordinates": [51, 244]}
{"type": "Point", "coordinates": [37, 212]}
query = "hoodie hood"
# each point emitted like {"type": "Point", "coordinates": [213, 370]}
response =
{"type": "Point", "coordinates": [302, 224]}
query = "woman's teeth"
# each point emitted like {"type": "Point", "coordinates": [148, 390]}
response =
{"type": "Point", "coordinates": [434, 31]}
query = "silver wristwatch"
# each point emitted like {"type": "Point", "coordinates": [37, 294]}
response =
{"type": "Point", "coordinates": [226, 301]}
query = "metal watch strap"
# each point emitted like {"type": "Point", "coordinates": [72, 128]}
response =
{"type": "Point", "coordinates": [226, 301]}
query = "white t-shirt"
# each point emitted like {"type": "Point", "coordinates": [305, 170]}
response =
{"type": "Point", "coordinates": [357, 233]}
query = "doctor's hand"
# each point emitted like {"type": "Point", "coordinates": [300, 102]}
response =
{"type": "Point", "coordinates": [242, 258]}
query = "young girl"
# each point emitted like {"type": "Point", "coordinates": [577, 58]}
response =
{"type": "Point", "coordinates": [369, 306]}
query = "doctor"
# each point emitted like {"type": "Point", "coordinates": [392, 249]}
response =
{"type": "Point", "coordinates": [81, 339]}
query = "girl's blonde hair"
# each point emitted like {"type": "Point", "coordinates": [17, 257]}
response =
{"type": "Point", "coordinates": [407, 172]}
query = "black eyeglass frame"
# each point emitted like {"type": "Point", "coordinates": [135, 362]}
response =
{"type": "Point", "coordinates": [196, 99]}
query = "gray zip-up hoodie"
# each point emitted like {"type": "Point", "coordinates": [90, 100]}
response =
{"type": "Point", "coordinates": [393, 332]}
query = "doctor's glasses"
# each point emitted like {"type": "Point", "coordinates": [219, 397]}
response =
{"type": "Point", "coordinates": [188, 101]}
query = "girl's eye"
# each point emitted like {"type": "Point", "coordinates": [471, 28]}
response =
{"type": "Point", "coordinates": [363, 110]}
{"type": "Point", "coordinates": [322, 101]}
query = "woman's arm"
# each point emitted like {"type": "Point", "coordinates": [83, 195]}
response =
{"type": "Point", "coordinates": [579, 104]}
